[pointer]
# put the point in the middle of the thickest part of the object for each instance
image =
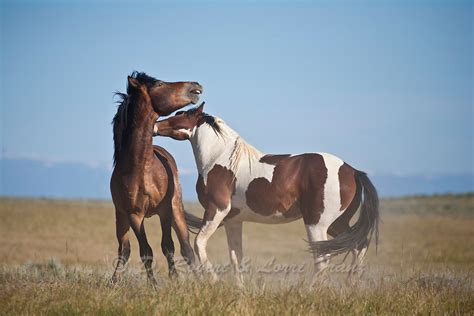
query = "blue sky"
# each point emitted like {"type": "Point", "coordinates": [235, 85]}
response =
{"type": "Point", "coordinates": [386, 85]}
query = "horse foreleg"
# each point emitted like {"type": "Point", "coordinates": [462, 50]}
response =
{"type": "Point", "coordinates": [212, 219]}
{"type": "Point", "coordinates": [122, 226]}
{"type": "Point", "coordinates": [234, 241]}
{"type": "Point", "coordinates": [146, 253]}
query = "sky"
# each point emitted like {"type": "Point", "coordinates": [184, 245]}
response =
{"type": "Point", "coordinates": [385, 85]}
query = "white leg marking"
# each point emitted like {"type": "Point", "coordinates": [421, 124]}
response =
{"type": "Point", "coordinates": [203, 236]}
{"type": "Point", "coordinates": [318, 233]}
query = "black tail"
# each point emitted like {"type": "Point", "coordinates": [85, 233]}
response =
{"type": "Point", "coordinates": [193, 222]}
{"type": "Point", "coordinates": [359, 235]}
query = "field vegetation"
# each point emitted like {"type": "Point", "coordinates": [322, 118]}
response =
{"type": "Point", "coordinates": [57, 258]}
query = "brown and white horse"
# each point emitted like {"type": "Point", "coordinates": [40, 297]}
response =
{"type": "Point", "coordinates": [238, 183]}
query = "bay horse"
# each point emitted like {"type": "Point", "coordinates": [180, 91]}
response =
{"type": "Point", "coordinates": [238, 183]}
{"type": "Point", "coordinates": [145, 180]}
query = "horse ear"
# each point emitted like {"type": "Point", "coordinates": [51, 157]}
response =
{"type": "Point", "coordinates": [200, 108]}
{"type": "Point", "coordinates": [133, 82]}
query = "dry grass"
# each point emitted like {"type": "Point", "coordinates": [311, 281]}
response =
{"type": "Point", "coordinates": [424, 265]}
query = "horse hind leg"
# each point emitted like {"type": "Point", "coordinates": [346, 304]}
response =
{"type": "Point", "coordinates": [122, 227]}
{"type": "Point", "coordinates": [234, 241]}
{"type": "Point", "coordinates": [167, 245]}
{"type": "Point", "coordinates": [180, 227]}
{"type": "Point", "coordinates": [318, 232]}
{"type": "Point", "coordinates": [318, 219]}
{"type": "Point", "coordinates": [146, 253]}
{"type": "Point", "coordinates": [341, 225]}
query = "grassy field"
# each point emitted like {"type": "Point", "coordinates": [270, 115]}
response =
{"type": "Point", "coordinates": [57, 257]}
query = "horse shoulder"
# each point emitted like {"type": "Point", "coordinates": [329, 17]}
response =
{"type": "Point", "coordinates": [217, 186]}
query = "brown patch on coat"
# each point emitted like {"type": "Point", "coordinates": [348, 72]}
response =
{"type": "Point", "coordinates": [261, 197]}
{"type": "Point", "coordinates": [201, 191]}
{"type": "Point", "coordinates": [347, 185]}
{"type": "Point", "coordinates": [315, 173]}
{"type": "Point", "coordinates": [297, 186]}
{"type": "Point", "coordinates": [220, 186]}
{"type": "Point", "coordinates": [273, 159]}
{"type": "Point", "coordinates": [341, 224]}
{"type": "Point", "coordinates": [217, 194]}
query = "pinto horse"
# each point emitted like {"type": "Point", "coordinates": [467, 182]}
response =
{"type": "Point", "coordinates": [238, 183]}
{"type": "Point", "coordinates": [145, 177]}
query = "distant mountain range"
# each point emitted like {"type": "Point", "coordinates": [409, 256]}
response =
{"type": "Point", "coordinates": [35, 178]}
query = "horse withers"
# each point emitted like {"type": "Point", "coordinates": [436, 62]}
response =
{"type": "Point", "coordinates": [238, 183]}
{"type": "Point", "coordinates": [145, 177]}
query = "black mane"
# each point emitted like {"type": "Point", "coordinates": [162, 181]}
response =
{"type": "Point", "coordinates": [208, 119]}
{"type": "Point", "coordinates": [124, 116]}
{"type": "Point", "coordinates": [143, 78]}
{"type": "Point", "coordinates": [212, 122]}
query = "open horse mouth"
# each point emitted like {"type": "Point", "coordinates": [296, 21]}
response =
{"type": "Point", "coordinates": [196, 91]}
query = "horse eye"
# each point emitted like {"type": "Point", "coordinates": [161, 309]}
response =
{"type": "Point", "coordinates": [160, 83]}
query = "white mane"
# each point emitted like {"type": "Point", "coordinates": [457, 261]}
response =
{"type": "Point", "coordinates": [242, 150]}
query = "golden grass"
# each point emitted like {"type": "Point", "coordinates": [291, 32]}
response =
{"type": "Point", "coordinates": [57, 258]}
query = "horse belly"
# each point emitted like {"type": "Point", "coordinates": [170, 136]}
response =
{"type": "Point", "coordinates": [245, 214]}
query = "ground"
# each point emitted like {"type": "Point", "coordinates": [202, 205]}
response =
{"type": "Point", "coordinates": [57, 257]}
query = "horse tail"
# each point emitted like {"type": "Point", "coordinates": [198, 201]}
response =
{"type": "Point", "coordinates": [194, 222]}
{"type": "Point", "coordinates": [360, 234]}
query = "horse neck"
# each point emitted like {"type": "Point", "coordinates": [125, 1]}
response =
{"type": "Point", "coordinates": [226, 148]}
{"type": "Point", "coordinates": [139, 142]}
{"type": "Point", "coordinates": [210, 146]}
